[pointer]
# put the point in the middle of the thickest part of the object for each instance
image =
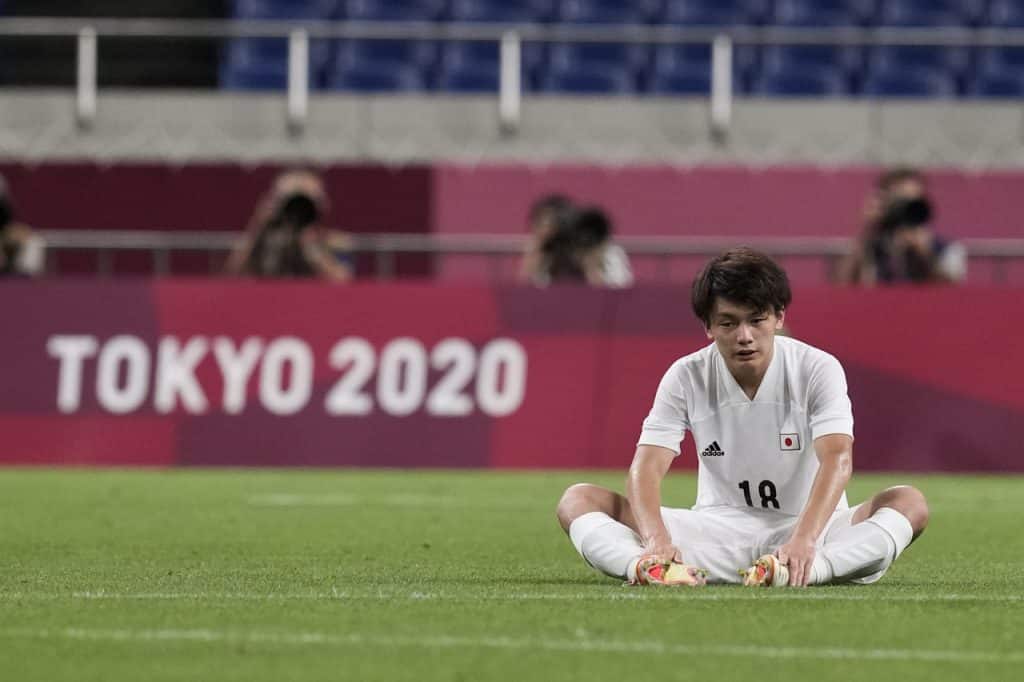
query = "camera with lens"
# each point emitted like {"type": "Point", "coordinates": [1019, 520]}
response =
{"type": "Point", "coordinates": [905, 213]}
{"type": "Point", "coordinates": [296, 211]}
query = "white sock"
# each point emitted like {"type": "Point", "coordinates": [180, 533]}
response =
{"type": "Point", "coordinates": [862, 549]}
{"type": "Point", "coordinates": [606, 544]}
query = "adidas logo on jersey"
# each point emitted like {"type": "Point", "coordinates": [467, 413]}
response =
{"type": "Point", "coordinates": [713, 450]}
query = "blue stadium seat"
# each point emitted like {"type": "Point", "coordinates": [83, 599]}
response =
{"type": "Point", "coordinates": [469, 66]}
{"type": "Point", "coordinates": [681, 69]}
{"type": "Point", "coordinates": [363, 64]}
{"type": "Point", "coordinates": [486, 54]}
{"type": "Point", "coordinates": [467, 55]}
{"type": "Point", "coordinates": [509, 11]}
{"type": "Point", "coordinates": [612, 81]}
{"type": "Point", "coordinates": [999, 69]}
{"type": "Point", "coordinates": [826, 58]}
{"type": "Point", "coordinates": [420, 53]}
{"type": "Point", "coordinates": [262, 63]}
{"type": "Point", "coordinates": [813, 82]}
{"type": "Point", "coordinates": [596, 56]}
{"type": "Point", "coordinates": [469, 80]}
{"type": "Point", "coordinates": [1005, 14]}
{"type": "Point", "coordinates": [820, 12]}
{"type": "Point", "coordinates": [687, 68]}
{"type": "Point", "coordinates": [896, 58]}
{"type": "Point", "coordinates": [243, 52]}
{"type": "Point", "coordinates": [695, 82]}
{"type": "Point", "coordinates": [712, 12]}
{"type": "Point", "coordinates": [259, 77]}
{"type": "Point", "coordinates": [910, 84]}
{"type": "Point", "coordinates": [595, 67]}
{"type": "Point", "coordinates": [371, 78]}
{"type": "Point", "coordinates": [1005, 84]}
{"type": "Point", "coordinates": [394, 10]}
{"type": "Point", "coordinates": [605, 11]}
{"type": "Point", "coordinates": [929, 12]}
{"type": "Point", "coordinates": [285, 9]}
{"type": "Point", "coordinates": [1001, 59]}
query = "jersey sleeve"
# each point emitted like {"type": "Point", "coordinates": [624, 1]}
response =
{"type": "Point", "coordinates": [667, 422]}
{"type": "Point", "coordinates": [828, 405]}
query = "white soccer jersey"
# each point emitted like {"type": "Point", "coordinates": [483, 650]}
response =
{"type": "Point", "coordinates": [753, 453]}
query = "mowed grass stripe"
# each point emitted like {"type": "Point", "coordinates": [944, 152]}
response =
{"type": "Point", "coordinates": [652, 594]}
{"type": "Point", "coordinates": [583, 644]}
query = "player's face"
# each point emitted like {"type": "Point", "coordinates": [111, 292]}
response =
{"type": "Point", "coordinates": [745, 337]}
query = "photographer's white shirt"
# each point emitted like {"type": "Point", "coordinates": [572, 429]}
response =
{"type": "Point", "coordinates": [752, 453]}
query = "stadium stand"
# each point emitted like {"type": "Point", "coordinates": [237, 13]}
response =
{"type": "Point", "coordinates": [782, 70]}
{"type": "Point", "coordinates": [474, 66]}
{"type": "Point", "coordinates": [809, 83]}
{"type": "Point", "coordinates": [910, 84]}
{"type": "Point", "coordinates": [814, 13]}
{"type": "Point", "coordinates": [929, 12]}
{"type": "Point", "coordinates": [569, 67]}
{"type": "Point", "coordinates": [712, 13]}
{"type": "Point", "coordinates": [382, 65]}
{"type": "Point", "coordinates": [1000, 73]}
{"type": "Point", "coordinates": [834, 69]}
{"type": "Point", "coordinates": [1005, 14]}
{"type": "Point", "coordinates": [262, 63]}
{"type": "Point", "coordinates": [596, 67]}
{"type": "Point", "coordinates": [605, 12]}
{"type": "Point", "coordinates": [508, 11]}
{"type": "Point", "coordinates": [391, 10]}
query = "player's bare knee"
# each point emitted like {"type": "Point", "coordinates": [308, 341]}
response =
{"type": "Point", "coordinates": [909, 501]}
{"type": "Point", "coordinates": [917, 509]}
{"type": "Point", "coordinates": [575, 501]}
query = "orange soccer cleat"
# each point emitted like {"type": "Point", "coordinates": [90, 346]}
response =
{"type": "Point", "coordinates": [767, 571]}
{"type": "Point", "coordinates": [650, 570]}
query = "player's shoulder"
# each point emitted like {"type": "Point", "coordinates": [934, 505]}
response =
{"type": "Point", "coordinates": [805, 358]}
{"type": "Point", "coordinates": [696, 360]}
{"type": "Point", "coordinates": [692, 369]}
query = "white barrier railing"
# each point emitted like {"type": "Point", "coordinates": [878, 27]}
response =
{"type": "Point", "coordinates": [386, 247]}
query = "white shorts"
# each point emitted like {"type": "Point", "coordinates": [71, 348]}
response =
{"type": "Point", "coordinates": [726, 540]}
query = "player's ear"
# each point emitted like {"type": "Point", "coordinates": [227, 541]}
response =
{"type": "Point", "coordinates": [707, 330]}
{"type": "Point", "coordinates": [780, 319]}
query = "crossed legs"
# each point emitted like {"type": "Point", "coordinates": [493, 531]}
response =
{"type": "Point", "coordinates": [603, 529]}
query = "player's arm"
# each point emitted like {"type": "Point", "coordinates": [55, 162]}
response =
{"type": "Point", "coordinates": [643, 489]}
{"type": "Point", "coordinates": [835, 457]}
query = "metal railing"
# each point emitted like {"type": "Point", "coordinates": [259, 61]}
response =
{"type": "Point", "coordinates": [386, 248]}
{"type": "Point", "coordinates": [88, 31]}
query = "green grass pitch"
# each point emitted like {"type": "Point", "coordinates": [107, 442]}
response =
{"type": "Point", "coordinates": [412, 575]}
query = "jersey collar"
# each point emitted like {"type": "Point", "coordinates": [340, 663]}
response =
{"type": "Point", "coordinates": [764, 391]}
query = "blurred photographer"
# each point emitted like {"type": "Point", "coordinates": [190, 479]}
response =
{"type": "Point", "coordinates": [546, 214]}
{"type": "Point", "coordinates": [570, 244]}
{"type": "Point", "coordinates": [22, 251]}
{"type": "Point", "coordinates": [898, 244]}
{"type": "Point", "coordinates": [286, 238]}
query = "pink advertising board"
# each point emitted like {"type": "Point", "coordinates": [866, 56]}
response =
{"type": "Point", "coordinates": [190, 372]}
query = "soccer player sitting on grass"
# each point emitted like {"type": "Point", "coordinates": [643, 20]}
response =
{"type": "Point", "coordinates": [773, 428]}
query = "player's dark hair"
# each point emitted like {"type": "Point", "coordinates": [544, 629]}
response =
{"type": "Point", "coordinates": [895, 176]}
{"type": "Point", "coordinates": [549, 203]}
{"type": "Point", "coordinates": [742, 276]}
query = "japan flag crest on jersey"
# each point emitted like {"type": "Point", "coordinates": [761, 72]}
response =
{"type": "Point", "coordinates": [789, 441]}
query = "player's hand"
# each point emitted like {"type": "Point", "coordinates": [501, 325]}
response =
{"type": "Point", "coordinates": [663, 549]}
{"type": "Point", "coordinates": [798, 555]}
